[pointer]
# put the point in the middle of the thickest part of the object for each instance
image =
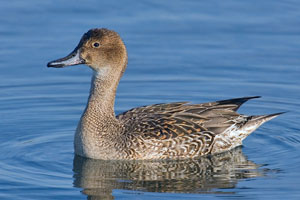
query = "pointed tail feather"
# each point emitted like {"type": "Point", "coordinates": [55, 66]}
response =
{"type": "Point", "coordinates": [264, 118]}
{"type": "Point", "coordinates": [257, 120]}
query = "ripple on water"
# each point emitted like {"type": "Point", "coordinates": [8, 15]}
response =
{"type": "Point", "coordinates": [197, 51]}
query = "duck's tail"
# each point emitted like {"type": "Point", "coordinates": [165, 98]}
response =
{"type": "Point", "coordinates": [257, 120]}
{"type": "Point", "coordinates": [254, 122]}
{"type": "Point", "coordinates": [235, 134]}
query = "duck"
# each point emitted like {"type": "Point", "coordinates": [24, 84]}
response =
{"type": "Point", "coordinates": [177, 130]}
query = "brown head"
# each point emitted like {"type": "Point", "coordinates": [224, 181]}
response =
{"type": "Point", "coordinates": [99, 49]}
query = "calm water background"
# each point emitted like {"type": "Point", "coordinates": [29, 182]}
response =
{"type": "Point", "coordinates": [178, 50]}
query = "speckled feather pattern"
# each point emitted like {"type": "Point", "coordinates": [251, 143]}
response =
{"type": "Point", "coordinates": [181, 130]}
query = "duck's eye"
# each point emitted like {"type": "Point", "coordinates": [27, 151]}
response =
{"type": "Point", "coordinates": [96, 44]}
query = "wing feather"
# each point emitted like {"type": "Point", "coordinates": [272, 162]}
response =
{"type": "Point", "coordinates": [171, 120]}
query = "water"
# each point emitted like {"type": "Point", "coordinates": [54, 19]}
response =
{"type": "Point", "coordinates": [178, 51]}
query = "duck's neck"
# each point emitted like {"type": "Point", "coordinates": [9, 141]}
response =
{"type": "Point", "coordinates": [98, 123]}
{"type": "Point", "coordinates": [102, 93]}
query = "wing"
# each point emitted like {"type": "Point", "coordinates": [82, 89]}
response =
{"type": "Point", "coordinates": [192, 125]}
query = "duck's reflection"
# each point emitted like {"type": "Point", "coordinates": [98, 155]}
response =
{"type": "Point", "coordinates": [98, 178]}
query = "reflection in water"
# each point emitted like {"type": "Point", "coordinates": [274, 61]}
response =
{"type": "Point", "coordinates": [98, 178]}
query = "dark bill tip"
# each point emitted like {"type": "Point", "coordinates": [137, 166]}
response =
{"type": "Point", "coordinates": [52, 64]}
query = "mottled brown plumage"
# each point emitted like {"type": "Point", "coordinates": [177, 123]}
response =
{"type": "Point", "coordinates": [181, 130]}
{"type": "Point", "coordinates": [162, 131]}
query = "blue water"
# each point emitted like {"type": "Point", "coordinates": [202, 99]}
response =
{"type": "Point", "coordinates": [178, 50]}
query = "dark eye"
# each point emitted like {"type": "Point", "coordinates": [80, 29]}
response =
{"type": "Point", "coordinates": [96, 44]}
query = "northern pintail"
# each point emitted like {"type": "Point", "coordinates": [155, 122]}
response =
{"type": "Point", "coordinates": [161, 131]}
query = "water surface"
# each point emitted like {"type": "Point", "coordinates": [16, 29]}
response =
{"type": "Point", "coordinates": [178, 51]}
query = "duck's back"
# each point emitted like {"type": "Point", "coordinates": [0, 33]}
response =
{"type": "Point", "coordinates": [181, 130]}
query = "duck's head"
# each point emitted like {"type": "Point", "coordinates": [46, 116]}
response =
{"type": "Point", "coordinates": [99, 49]}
